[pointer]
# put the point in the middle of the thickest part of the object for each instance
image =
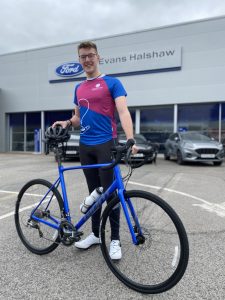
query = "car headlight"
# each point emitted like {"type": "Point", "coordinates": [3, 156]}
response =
{"type": "Point", "coordinates": [220, 146]}
{"type": "Point", "coordinates": [188, 146]}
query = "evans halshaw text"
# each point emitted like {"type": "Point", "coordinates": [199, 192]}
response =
{"type": "Point", "coordinates": [137, 56]}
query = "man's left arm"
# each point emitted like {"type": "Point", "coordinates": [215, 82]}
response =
{"type": "Point", "coordinates": [125, 119]}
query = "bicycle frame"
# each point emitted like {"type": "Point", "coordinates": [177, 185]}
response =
{"type": "Point", "coordinates": [117, 185]}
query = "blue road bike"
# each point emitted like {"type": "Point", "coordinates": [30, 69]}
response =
{"type": "Point", "coordinates": [154, 241]}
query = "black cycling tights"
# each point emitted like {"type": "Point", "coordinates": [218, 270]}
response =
{"type": "Point", "coordinates": [99, 154]}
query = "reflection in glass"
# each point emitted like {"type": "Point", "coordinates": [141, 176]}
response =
{"type": "Point", "coordinates": [199, 117]}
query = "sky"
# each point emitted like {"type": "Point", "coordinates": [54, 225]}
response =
{"type": "Point", "coordinates": [31, 24]}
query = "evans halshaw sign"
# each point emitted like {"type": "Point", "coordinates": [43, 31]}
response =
{"type": "Point", "coordinates": [122, 61]}
{"type": "Point", "coordinates": [139, 57]}
{"type": "Point", "coordinates": [69, 69]}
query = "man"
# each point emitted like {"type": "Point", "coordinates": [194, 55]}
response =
{"type": "Point", "coordinates": [96, 100]}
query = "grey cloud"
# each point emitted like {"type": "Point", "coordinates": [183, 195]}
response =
{"type": "Point", "coordinates": [26, 24]}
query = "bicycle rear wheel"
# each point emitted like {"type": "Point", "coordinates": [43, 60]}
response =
{"type": "Point", "coordinates": [36, 236]}
{"type": "Point", "coordinates": [160, 261]}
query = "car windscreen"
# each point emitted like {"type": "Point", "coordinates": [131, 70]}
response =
{"type": "Point", "coordinates": [195, 137]}
{"type": "Point", "coordinates": [140, 140]}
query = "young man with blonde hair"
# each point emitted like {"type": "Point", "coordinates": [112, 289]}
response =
{"type": "Point", "coordinates": [96, 101]}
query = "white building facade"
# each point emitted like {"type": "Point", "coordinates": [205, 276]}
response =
{"type": "Point", "coordinates": [174, 77]}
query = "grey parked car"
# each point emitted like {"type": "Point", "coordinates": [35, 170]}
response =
{"type": "Point", "coordinates": [193, 147]}
{"type": "Point", "coordinates": [142, 144]}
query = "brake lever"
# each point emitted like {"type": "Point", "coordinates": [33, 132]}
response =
{"type": "Point", "coordinates": [127, 156]}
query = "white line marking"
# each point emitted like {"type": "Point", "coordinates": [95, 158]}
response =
{"type": "Point", "coordinates": [169, 190]}
{"type": "Point", "coordinates": [218, 208]}
{"type": "Point", "coordinates": [8, 192]}
{"type": "Point", "coordinates": [7, 215]}
{"type": "Point", "coordinates": [24, 208]}
{"type": "Point", "coordinates": [28, 194]}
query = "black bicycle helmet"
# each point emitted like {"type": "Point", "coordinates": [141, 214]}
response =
{"type": "Point", "coordinates": [57, 133]}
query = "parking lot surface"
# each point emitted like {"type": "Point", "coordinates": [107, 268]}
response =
{"type": "Point", "coordinates": [196, 192]}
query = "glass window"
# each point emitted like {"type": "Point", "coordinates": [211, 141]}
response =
{"type": "Point", "coordinates": [22, 138]}
{"type": "Point", "coordinates": [199, 117]}
{"type": "Point", "coordinates": [33, 122]}
{"type": "Point", "coordinates": [16, 123]}
{"type": "Point", "coordinates": [52, 116]}
{"type": "Point", "coordinates": [156, 123]}
{"type": "Point", "coordinates": [133, 117]}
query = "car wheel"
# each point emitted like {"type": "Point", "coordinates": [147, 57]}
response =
{"type": "Point", "coordinates": [180, 160]}
{"type": "Point", "coordinates": [166, 156]}
{"type": "Point", "coordinates": [217, 163]}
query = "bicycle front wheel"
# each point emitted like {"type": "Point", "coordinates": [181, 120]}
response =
{"type": "Point", "coordinates": [39, 238]}
{"type": "Point", "coordinates": [160, 259]}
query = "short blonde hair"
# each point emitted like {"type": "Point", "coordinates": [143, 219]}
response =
{"type": "Point", "coordinates": [87, 45]}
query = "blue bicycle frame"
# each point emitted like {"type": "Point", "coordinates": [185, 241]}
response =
{"type": "Point", "coordinates": [117, 185]}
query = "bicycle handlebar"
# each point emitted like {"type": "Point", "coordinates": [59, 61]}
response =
{"type": "Point", "coordinates": [120, 151]}
{"type": "Point", "coordinates": [126, 149]}
{"type": "Point", "coordinates": [52, 143]}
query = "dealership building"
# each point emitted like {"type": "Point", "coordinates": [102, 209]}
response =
{"type": "Point", "coordinates": [174, 77]}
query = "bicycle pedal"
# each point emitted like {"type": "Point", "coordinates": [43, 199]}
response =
{"type": "Point", "coordinates": [77, 236]}
{"type": "Point", "coordinates": [79, 233]}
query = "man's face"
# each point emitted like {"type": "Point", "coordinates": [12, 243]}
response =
{"type": "Point", "coordinates": [89, 59]}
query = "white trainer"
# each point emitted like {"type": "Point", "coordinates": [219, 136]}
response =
{"type": "Point", "coordinates": [88, 242]}
{"type": "Point", "coordinates": [115, 250]}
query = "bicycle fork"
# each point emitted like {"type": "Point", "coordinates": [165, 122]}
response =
{"type": "Point", "coordinates": [135, 231]}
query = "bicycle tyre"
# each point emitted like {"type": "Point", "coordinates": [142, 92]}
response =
{"type": "Point", "coordinates": [28, 198]}
{"type": "Point", "coordinates": [165, 228]}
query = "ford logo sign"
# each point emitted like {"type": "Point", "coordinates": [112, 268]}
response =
{"type": "Point", "coordinates": [69, 69]}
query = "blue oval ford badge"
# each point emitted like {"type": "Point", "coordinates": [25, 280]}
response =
{"type": "Point", "coordinates": [69, 69]}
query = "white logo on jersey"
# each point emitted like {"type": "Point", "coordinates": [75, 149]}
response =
{"type": "Point", "coordinates": [97, 87]}
{"type": "Point", "coordinates": [82, 128]}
